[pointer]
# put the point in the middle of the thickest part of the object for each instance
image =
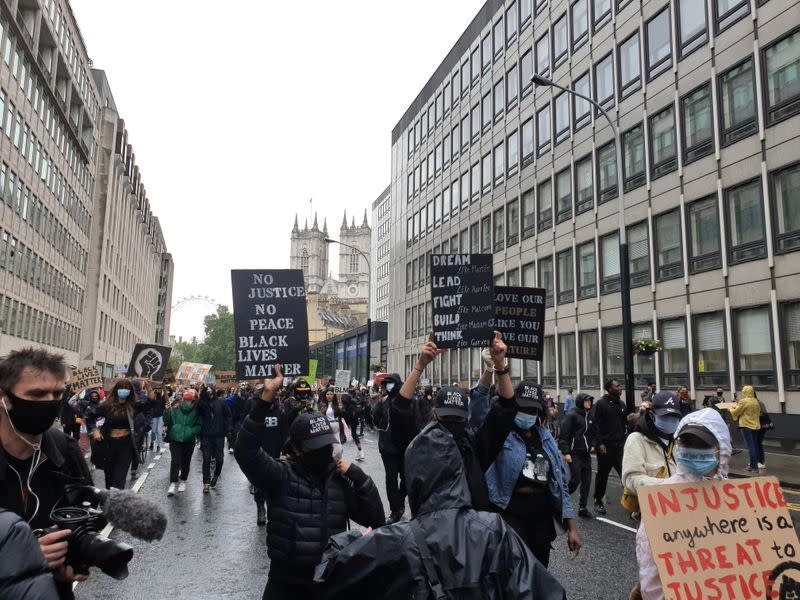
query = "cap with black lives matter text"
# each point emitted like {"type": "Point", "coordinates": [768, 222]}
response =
{"type": "Point", "coordinates": [451, 401]}
{"type": "Point", "coordinates": [311, 431]}
{"type": "Point", "coordinates": [529, 395]}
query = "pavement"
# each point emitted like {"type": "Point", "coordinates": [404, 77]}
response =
{"type": "Point", "coordinates": [213, 549]}
{"type": "Point", "coordinates": [786, 467]}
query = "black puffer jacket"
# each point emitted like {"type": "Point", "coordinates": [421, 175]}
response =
{"type": "Point", "coordinates": [399, 419]}
{"type": "Point", "coordinates": [476, 554]}
{"type": "Point", "coordinates": [304, 510]}
{"type": "Point", "coordinates": [23, 569]}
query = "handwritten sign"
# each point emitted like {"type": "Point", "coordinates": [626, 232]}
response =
{"type": "Point", "coordinates": [269, 311]}
{"type": "Point", "coordinates": [85, 378]}
{"type": "Point", "coordinates": [193, 372]}
{"type": "Point", "coordinates": [519, 315]}
{"type": "Point", "coordinates": [341, 381]}
{"type": "Point", "coordinates": [719, 539]}
{"type": "Point", "coordinates": [461, 299]}
{"type": "Point", "coordinates": [149, 360]}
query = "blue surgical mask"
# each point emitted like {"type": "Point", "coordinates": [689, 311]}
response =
{"type": "Point", "coordinates": [698, 462]}
{"type": "Point", "coordinates": [667, 423]}
{"type": "Point", "coordinates": [123, 393]}
{"type": "Point", "coordinates": [525, 421]}
{"type": "Point", "coordinates": [389, 387]}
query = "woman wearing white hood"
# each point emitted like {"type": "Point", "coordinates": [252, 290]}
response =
{"type": "Point", "coordinates": [702, 451]}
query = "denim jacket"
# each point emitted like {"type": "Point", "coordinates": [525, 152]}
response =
{"type": "Point", "coordinates": [502, 474]}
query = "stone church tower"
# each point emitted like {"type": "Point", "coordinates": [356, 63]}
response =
{"type": "Point", "coordinates": [353, 267]}
{"type": "Point", "coordinates": [309, 252]}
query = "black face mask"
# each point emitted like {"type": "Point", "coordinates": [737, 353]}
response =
{"type": "Point", "coordinates": [458, 429]}
{"type": "Point", "coordinates": [317, 461]}
{"type": "Point", "coordinates": [33, 417]}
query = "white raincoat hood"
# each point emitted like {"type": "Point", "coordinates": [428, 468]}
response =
{"type": "Point", "coordinates": [711, 420]}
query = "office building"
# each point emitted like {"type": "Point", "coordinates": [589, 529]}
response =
{"type": "Point", "coordinates": [706, 97]}
{"type": "Point", "coordinates": [380, 256]}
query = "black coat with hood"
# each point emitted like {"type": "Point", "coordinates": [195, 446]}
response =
{"type": "Point", "coordinates": [399, 419]}
{"type": "Point", "coordinates": [23, 570]}
{"type": "Point", "coordinates": [576, 428]}
{"type": "Point", "coordinates": [304, 508]}
{"type": "Point", "coordinates": [476, 554]}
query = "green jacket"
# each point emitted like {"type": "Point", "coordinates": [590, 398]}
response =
{"type": "Point", "coordinates": [183, 422]}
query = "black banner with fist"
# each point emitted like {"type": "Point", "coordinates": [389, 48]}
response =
{"type": "Point", "coordinates": [150, 361]}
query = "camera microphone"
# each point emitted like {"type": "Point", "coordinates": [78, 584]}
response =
{"type": "Point", "coordinates": [131, 513]}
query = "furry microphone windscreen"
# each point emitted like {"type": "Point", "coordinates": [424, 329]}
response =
{"type": "Point", "coordinates": [130, 512]}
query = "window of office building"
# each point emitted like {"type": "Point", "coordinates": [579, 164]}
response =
{"type": "Point", "coordinates": [566, 280]}
{"type": "Point", "coordinates": [607, 172]}
{"type": "Point", "coordinates": [528, 214]}
{"type": "Point", "coordinates": [465, 77]}
{"type": "Point", "coordinates": [727, 12]}
{"type": "Point", "coordinates": [465, 189]}
{"type": "Point", "coordinates": [746, 222]}
{"type": "Point", "coordinates": [737, 97]}
{"type": "Point", "coordinates": [486, 162]}
{"type": "Point", "coordinates": [545, 201]}
{"type": "Point", "coordinates": [581, 107]}
{"type": "Point", "coordinates": [512, 86]}
{"type": "Point", "coordinates": [675, 356]}
{"type": "Point", "coordinates": [785, 185]}
{"type": "Point", "coordinates": [499, 229]}
{"type": "Point", "coordinates": [511, 22]}
{"type": "Point", "coordinates": [512, 222]}
{"type": "Point", "coordinates": [692, 25]}
{"type": "Point", "coordinates": [604, 81]}
{"type": "Point", "coordinates": [447, 98]}
{"type": "Point", "coordinates": [475, 177]}
{"type": "Point", "coordinates": [639, 254]}
{"type": "Point", "coordinates": [498, 37]}
{"type": "Point", "coordinates": [512, 150]}
{"type": "Point", "coordinates": [512, 278]}
{"type": "Point", "coordinates": [567, 360]}
{"type": "Point", "coordinates": [669, 256]}
{"type": "Point", "coordinates": [465, 131]}
{"type": "Point", "coordinates": [499, 100]}
{"type": "Point", "coordinates": [486, 52]}
{"type": "Point", "coordinates": [446, 149]}
{"type": "Point", "coordinates": [711, 369]}
{"type": "Point", "coordinates": [526, 72]}
{"type": "Point", "coordinates": [698, 128]}
{"type": "Point", "coordinates": [543, 56]}
{"type": "Point", "coordinates": [527, 141]}
{"type": "Point", "coordinates": [782, 61]}
{"type": "Point", "coordinates": [609, 247]}
{"type": "Point", "coordinates": [486, 234]}
{"type": "Point", "coordinates": [644, 367]}
{"type": "Point", "coordinates": [486, 111]}
{"type": "Point", "coordinates": [580, 23]}
{"type": "Point", "coordinates": [499, 162]}
{"type": "Point", "coordinates": [546, 278]}
{"type": "Point", "coordinates": [525, 12]}
{"type": "Point", "coordinates": [474, 238]}
{"type": "Point", "coordinates": [590, 359]}
{"type": "Point", "coordinates": [633, 157]}
{"type": "Point", "coordinates": [662, 142]}
{"type": "Point", "coordinates": [754, 347]}
{"type": "Point", "coordinates": [587, 285]}
{"type": "Point", "coordinates": [659, 47]}
{"type": "Point", "coordinates": [564, 195]}
{"type": "Point", "coordinates": [584, 185]}
{"type": "Point", "coordinates": [529, 275]}
{"type": "Point", "coordinates": [456, 138]}
{"type": "Point", "coordinates": [475, 124]}
{"type": "Point", "coordinates": [549, 361]}
{"type": "Point", "coordinates": [475, 64]}
{"type": "Point", "coordinates": [704, 235]}
{"type": "Point", "coordinates": [562, 117]}
{"type": "Point", "coordinates": [560, 41]}
{"type": "Point", "coordinates": [543, 130]}
{"type": "Point", "coordinates": [613, 349]}
{"type": "Point", "coordinates": [630, 71]}
{"type": "Point", "coordinates": [791, 335]}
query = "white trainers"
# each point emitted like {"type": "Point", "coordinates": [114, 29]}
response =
{"type": "Point", "coordinates": [171, 489]}
{"type": "Point", "coordinates": [360, 456]}
{"type": "Point", "coordinates": [182, 486]}
{"type": "Point", "coordinates": [762, 466]}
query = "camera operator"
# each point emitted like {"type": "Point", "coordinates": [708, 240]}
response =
{"type": "Point", "coordinates": [24, 574]}
{"type": "Point", "coordinates": [36, 459]}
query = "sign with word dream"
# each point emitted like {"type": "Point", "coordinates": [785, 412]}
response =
{"type": "Point", "coordinates": [462, 300]}
{"type": "Point", "coordinates": [270, 320]}
{"type": "Point", "coordinates": [519, 315]}
{"type": "Point", "coordinates": [721, 538]}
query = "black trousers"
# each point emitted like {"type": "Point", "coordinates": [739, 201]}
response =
{"type": "Point", "coordinates": [180, 459]}
{"type": "Point", "coordinates": [353, 425]}
{"type": "Point", "coordinates": [581, 475]}
{"type": "Point", "coordinates": [612, 459]}
{"type": "Point", "coordinates": [212, 447]}
{"type": "Point", "coordinates": [396, 492]}
{"type": "Point", "coordinates": [532, 518]}
{"type": "Point", "coordinates": [279, 590]}
{"type": "Point", "coordinates": [119, 454]}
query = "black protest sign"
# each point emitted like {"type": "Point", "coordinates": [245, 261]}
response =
{"type": "Point", "coordinates": [461, 300]}
{"type": "Point", "coordinates": [150, 361]}
{"type": "Point", "coordinates": [519, 316]}
{"type": "Point", "coordinates": [269, 313]}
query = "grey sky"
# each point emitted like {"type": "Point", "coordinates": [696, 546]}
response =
{"type": "Point", "coordinates": [240, 112]}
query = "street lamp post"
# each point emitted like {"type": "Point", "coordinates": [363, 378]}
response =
{"type": "Point", "coordinates": [369, 295]}
{"type": "Point", "coordinates": [624, 267]}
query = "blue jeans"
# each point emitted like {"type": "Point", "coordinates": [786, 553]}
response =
{"type": "Point", "coordinates": [750, 438]}
{"type": "Point", "coordinates": [157, 424]}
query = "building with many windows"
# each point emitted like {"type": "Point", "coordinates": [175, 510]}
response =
{"type": "Point", "coordinates": [380, 256]}
{"type": "Point", "coordinates": [706, 96]}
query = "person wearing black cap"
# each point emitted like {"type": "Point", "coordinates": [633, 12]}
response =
{"type": "Point", "coordinates": [573, 441]}
{"type": "Point", "coordinates": [524, 470]}
{"type": "Point", "coordinates": [609, 428]}
{"type": "Point", "coordinates": [311, 497]}
{"type": "Point", "coordinates": [300, 399]}
{"type": "Point", "coordinates": [647, 458]}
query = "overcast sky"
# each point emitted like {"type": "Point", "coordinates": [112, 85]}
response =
{"type": "Point", "coordinates": [238, 113]}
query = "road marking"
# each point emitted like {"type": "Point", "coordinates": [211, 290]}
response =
{"type": "Point", "coordinates": [615, 524]}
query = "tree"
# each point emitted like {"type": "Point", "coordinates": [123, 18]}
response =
{"type": "Point", "coordinates": [218, 348]}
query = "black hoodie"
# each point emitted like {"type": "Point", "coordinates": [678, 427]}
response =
{"type": "Point", "coordinates": [476, 554]}
{"type": "Point", "coordinates": [398, 419]}
{"type": "Point", "coordinates": [575, 429]}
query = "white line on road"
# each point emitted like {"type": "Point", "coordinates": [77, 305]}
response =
{"type": "Point", "coordinates": [615, 524]}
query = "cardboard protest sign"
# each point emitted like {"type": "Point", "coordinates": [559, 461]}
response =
{"type": "Point", "coordinates": [269, 312]}
{"type": "Point", "coordinates": [193, 372]}
{"type": "Point", "coordinates": [341, 381]}
{"type": "Point", "coordinates": [519, 315]}
{"type": "Point", "coordinates": [149, 360]}
{"type": "Point", "coordinates": [462, 300]}
{"type": "Point", "coordinates": [85, 378]}
{"type": "Point", "coordinates": [720, 539]}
